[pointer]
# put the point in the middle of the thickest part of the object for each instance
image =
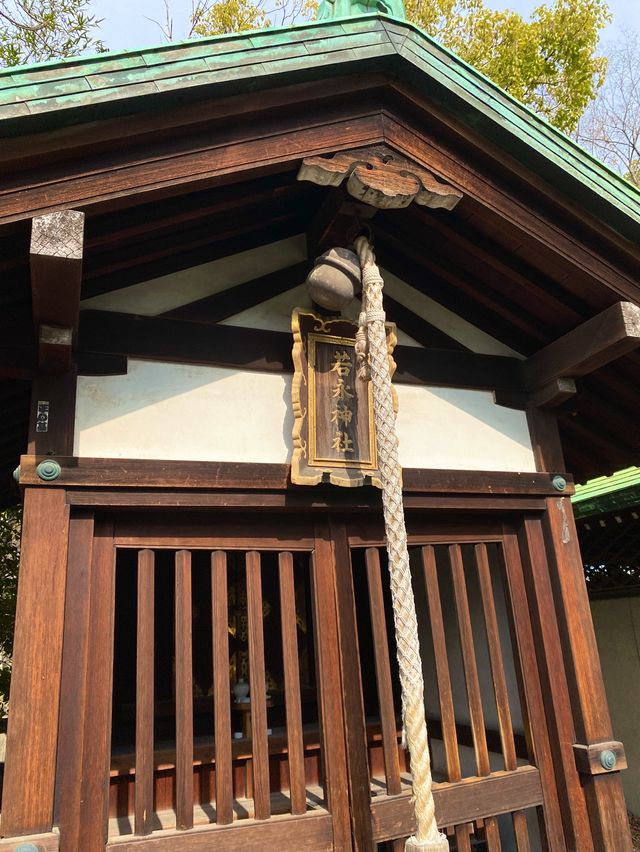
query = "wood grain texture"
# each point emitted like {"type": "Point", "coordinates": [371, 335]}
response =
{"type": "Point", "coordinates": [75, 661]}
{"type": "Point", "coordinates": [383, 672]}
{"type": "Point", "coordinates": [460, 802]}
{"type": "Point", "coordinates": [143, 806]}
{"type": "Point", "coordinates": [291, 664]}
{"type": "Point", "coordinates": [443, 677]}
{"type": "Point", "coordinates": [184, 691]}
{"type": "Point", "coordinates": [352, 699]}
{"type": "Point", "coordinates": [221, 688]}
{"type": "Point", "coordinates": [28, 794]}
{"type": "Point", "coordinates": [149, 473]}
{"type": "Point", "coordinates": [594, 343]}
{"type": "Point", "coordinates": [605, 799]}
{"type": "Point", "coordinates": [258, 692]}
{"type": "Point", "coordinates": [469, 662]}
{"type": "Point", "coordinates": [279, 833]}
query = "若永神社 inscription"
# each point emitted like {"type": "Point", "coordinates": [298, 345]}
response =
{"type": "Point", "coordinates": [333, 432]}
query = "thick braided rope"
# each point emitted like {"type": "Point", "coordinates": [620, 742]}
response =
{"type": "Point", "coordinates": [404, 612]}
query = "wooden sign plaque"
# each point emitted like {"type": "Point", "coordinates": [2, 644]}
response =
{"type": "Point", "coordinates": [333, 431]}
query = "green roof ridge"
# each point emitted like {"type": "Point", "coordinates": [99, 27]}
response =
{"type": "Point", "coordinates": [447, 70]}
{"type": "Point", "coordinates": [629, 477]}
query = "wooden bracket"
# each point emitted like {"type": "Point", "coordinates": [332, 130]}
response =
{"type": "Point", "coordinates": [381, 178]}
{"type": "Point", "coordinates": [549, 373]}
{"type": "Point", "coordinates": [56, 276]}
{"type": "Point", "coordinates": [600, 758]}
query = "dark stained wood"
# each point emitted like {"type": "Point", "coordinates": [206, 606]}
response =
{"type": "Point", "coordinates": [28, 795]}
{"type": "Point", "coordinates": [143, 807]}
{"type": "Point", "coordinates": [530, 684]}
{"type": "Point", "coordinates": [463, 842]}
{"type": "Point", "coordinates": [74, 672]}
{"type": "Point", "coordinates": [383, 672]}
{"type": "Point", "coordinates": [469, 660]}
{"type": "Point", "coordinates": [545, 440]}
{"type": "Point", "coordinates": [93, 789]}
{"type": "Point", "coordinates": [351, 691]}
{"type": "Point", "coordinates": [588, 757]}
{"type": "Point", "coordinates": [258, 693]}
{"type": "Point", "coordinates": [500, 792]}
{"type": "Point", "coordinates": [553, 682]}
{"type": "Point", "coordinates": [60, 392]}
{"type": "Point", "coordinates": [553, 393]}
{"type": "Point", "coordinates": [521, 832]}
{"type": "Point", "coordinates": [593, 344]}
{"type": "Point", "coordinates": [143, 473]}
{"type": "Point", "coordinates": [232, 301]}
{"type": "Point", "coordinates": [605, 799]}
{"type": "Point", "coordinates": [291, 665]}
{"type": "Point", "coordinates": [168, 339]}
{"type": "Point", "coordinates": [184, 692]}
{"type": "Point", "coordinates": [495, 658]}
{"type": "Point", "coordinates": [330, 687]}
{"type": "Point", "coordinates": [445, 693]}
{"type": "Point", "coordinates": [315, 828]}
{"type": "Point", "coordinates": [221, 692]}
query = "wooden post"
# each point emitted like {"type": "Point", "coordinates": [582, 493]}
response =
{"type": "Point", "coordinates": [591, 721]}
{"type": "Point", "coordinates": [27, 803]}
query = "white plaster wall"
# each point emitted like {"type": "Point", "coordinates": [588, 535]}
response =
{"type": "Point", "coordinates": [183, 412]}
{"type": "Point", "coordinates": [617, 626]}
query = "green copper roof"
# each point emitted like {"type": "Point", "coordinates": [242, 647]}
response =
{"type": "Point", "coordinates": [607, 493]}
{"type": "Point", "coordinates": [38, 97]}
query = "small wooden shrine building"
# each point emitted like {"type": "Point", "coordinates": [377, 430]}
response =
{"type": "Point", "coordinates": [159, 213]}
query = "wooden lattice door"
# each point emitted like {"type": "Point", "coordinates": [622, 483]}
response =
{"type": "Point", "coordinates": [496, 787]}
{"type": "Point", "coordinates": [154, 748]}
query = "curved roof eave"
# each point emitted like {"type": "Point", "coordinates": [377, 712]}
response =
{"type": "Point", "coordinates": [37, 97]}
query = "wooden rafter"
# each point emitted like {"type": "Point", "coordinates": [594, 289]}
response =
{"type": "Point", "coordinates": [56, 274]}
{"type": "Point", "coordinates": [593, 344]}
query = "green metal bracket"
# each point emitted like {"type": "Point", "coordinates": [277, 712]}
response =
{"type": "Point", "coordinates": [48, 470]}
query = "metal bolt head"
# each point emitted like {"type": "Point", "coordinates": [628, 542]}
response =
{"type": "Point", "coordinates": [608, 759]}
{"type": "Point", "coordinates": [48, 470]}
{"type": "Point", "coordinates": [16, 475]}
{"type": "Point", "coordinates": [559, 483]}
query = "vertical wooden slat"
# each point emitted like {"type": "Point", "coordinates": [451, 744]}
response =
{"type": "Point", "coordinates": [184, 692]}
{"type": "Point", "coordinates": [259, 743]}
{"type": "Point", "coordinates": [331, 708]}
{"type": "Point", "coordinates": [27, 805]}
{"type": "Point", "coordinates": [492, 835]}
{"type": "Point", "coordinates": [553, 680]}
{"type": "Point", "coordinates": [447, 711]}
{"type": "Point", "coordinates": [531, 684]}
{"type": "Point", "coordinates": [297, 786]}
{"type": "Point", "coordinates": [521, 831]}
{"type": "Point", "coordinates": [495, 658]}
{"type": "Point", "coordinates": [74, 674]}
{"type": "Point", "coordinates": [221, 688]}
{"type": "Point", "coordinates": [96, 753]}
{"type": "Point", "coordinates": [383, 672]}
{"type": "Point", "coordinates": [143, 806]}
{"type": "Point", "coordinates": [463, 842]}
{"type": "Point", "coordinates": [469, 662]}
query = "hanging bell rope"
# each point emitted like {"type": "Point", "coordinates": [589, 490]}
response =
{"type": "Point", "coordinates": [371, 340]}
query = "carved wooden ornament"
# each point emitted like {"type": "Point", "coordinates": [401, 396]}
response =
{"type": "Point", "coordinates": [333, 430]}
{"type": "Point", "coordinates": [379, 177]}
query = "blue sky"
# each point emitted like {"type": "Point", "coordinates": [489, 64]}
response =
{"type": "Point", "coordinates": [126, 23]}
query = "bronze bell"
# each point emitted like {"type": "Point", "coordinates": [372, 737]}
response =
{"type": "Point", "coordinates": [335, 279]}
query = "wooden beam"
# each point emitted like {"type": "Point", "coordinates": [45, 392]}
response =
{"type": "Point", "coordinates": [232, 301]}
{"type": "Point", "coordinates": [553, 394]}
{"type": "Point", "coordinates": [600, 340]}
{"type": "Point", "coordinates": [56, 275]}
{"type": "Point", "coordinates": [163, 339]}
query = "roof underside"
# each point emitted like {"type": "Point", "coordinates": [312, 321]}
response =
{"type": "Point", "coordinates": [490, 260]}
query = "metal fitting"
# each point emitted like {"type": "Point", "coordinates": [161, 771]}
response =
{"type": "Point", "coordinates": [48, 470]}
{"type": "Point", "coordinates": [559, 483]}
{"type": "Point", "coordinates": [608, 759]}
